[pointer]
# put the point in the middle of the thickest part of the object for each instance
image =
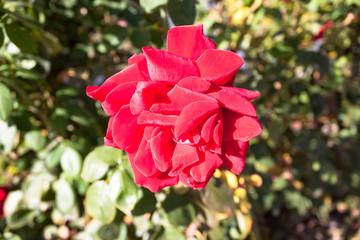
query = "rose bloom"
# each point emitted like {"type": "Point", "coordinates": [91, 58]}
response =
{"type": "Point", "coordinates": [176, 113]}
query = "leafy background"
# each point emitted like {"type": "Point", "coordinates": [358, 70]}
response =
{"type": "Point", "coordinates": [301, 179]}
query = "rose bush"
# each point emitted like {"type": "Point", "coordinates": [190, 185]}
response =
{"type": "Point", "coordinates": [176, 113]}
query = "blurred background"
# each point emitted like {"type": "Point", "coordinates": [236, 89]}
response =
{"type": "Point", "coordinates": [302, 176]}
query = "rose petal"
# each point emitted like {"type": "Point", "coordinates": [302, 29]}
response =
{"type": "Point", "coordinates": [144, 161]}
{"type": "Point", "coordinates": [146, 94]}
{"type": "Point", "coordinates": [186, 178]}
{"type": "Point", "coordinates": [231, 82]}
{"type": "Point", "coordinates": [179, 98]}
{"type": "Point", "coordinates": [150, 118]}
{"type": "Point", "coordinates": [234, 154]}
{"type": "Point", "coordinates": [238, 127]}
{"type": "Point", "coordinates": [218, 129]}
{"type": "Point", "coordinates": [168, 67]}
{"type": "Point", "coordinates": [242, 91]}
{"type": "Point", "coordinates": [218, 66]}
{"type": "Point", "coordinates": [129, 74]}
{"type": "Point", "coordinates": [205, 169]}
{"type": "Point", "coordinates": [207, 128]}
{"type": "Point", "coordinates": [127, 134]}
{"type": "Point", "coordinates": [192, 115]}
{"type": "Point", "coordinates": [162, 147]}
{"type": "Point", "coordinates": [141, 62]}
{"type": "Point", "coordinates": [195, 84]}
{"type": "Point", "coordinates": [187, 138]}
{"type": "Point", "coordinates": [235, 102]}
{"type": "Point", "coordinates": [183, 156]}
{"type": "Point", "coordinates": [118, 97]}
{"type": "Point", "coordinates": [153, 183]}
{"type": "Point", "coordinates": [188, 41]}
{"type": "Point", "coordinates": [196, 135]}
{"type": "Point", "coordinates": [108, 140]}
{"type": "Point", "coordinates": [149, 130]}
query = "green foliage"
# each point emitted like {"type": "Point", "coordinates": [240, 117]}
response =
{"type": "Point", "coordinates": [182, 12]}
{"type": "Point", "coordinates": [98, 203]}
{"type": "Point", "coordinates": [6, 102]}
{"type": "Point", "coordinates": [21, 38]}
{"type": "Point", "coordinates": [301, 177]}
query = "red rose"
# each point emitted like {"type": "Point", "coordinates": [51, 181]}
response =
{"type": "Point", "coordinates": [3, 194]}
{"type": "Point", "coordinates": [176, 114]}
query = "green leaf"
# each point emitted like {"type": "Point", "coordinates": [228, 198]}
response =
{"type": "Point", "coordinates": [20, 218]}
{"type": "Point", "coordinates": [21, 37]}
{"type": "Point", "coordinates": [157, 37]}
{"type": "Point", "coordinates": [219, 196]}
{"type": "Point", "coordinates": [13, 202]}
{"type": "Point", "coordinates": [279, 184]}
{"type": "Point", "coordinates": [11, 236]}
{"type": "Point", "coordinates": [140, 38]}
{"type": "Point", "coordinates": [294, 199]}
{"type": "Point", "coordinates": [94, 168]}
{"type": "Point", "coordinates": [1, 37]}
{"type": "Point", "coordinates": [53, 159]}
{"type": "Point", "coordinates": [179, 210]}
{"type": "Point", "coordinates": [34, 187]}
{"type": "Point", "coordinates": [6, 102]}
{"type": "Point", "coordinates": [114, 34]}
{"type": "Point", "coordinates": [171, 232]}
{"type": "Point", "coordinates": [150, 5]}
{"type": "Point", "coordinates": [182, 12]}
{"type": "Point", "coordinates": [80, 185]}
{"type": "Point", "coordinates": [108, 155]}
{"type": "Point", "coordinates": [98, 203]}
{"type": "Point", "coordinates": [35, 140]}
{"type": "Point", "coordinates": [65, 196]}
{"type": "Point", "coordinates": [7, 136]}
{"type": "Point", "coordinates": [71, 162]}
{"type": "Point", "coordinates": [146, 204]}
{"type": "Point", "coordinates": [29, 74]}
{"type": "Point", "coordinates": [109, 231]}
{"type": "Point", "coordinates": [123, 191]}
